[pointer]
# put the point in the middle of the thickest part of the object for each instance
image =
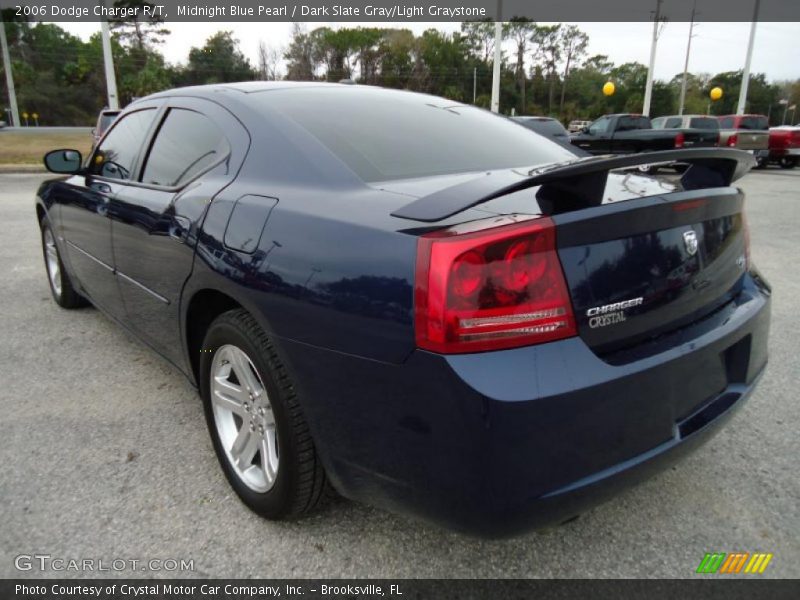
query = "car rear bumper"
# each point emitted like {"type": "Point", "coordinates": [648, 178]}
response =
{"type": "Point", "coordinates": [498, 443]}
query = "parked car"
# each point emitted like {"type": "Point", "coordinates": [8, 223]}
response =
{"type": "Point", "coordinates": [631, 133]}
{"type": "Point", "coordinates": [687, 122]}
{"type": "Point", "coordinates": [104, 121]}
{"type": "Point", "coordinates": [576, 125]}
{"type": "Point", "coordinates": [746, 132]}
{"type": "Point", "coordinates": [784, 146]}
{"type": "Point", "coordinates": [2, 124]}
{"type": "Point", "coordinates": [545, 126]}
{"type": "Point", "coordinates": [420, 304]}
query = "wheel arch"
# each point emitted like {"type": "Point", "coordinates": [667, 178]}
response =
{"type": "Point", "coordinates": [202, 308]}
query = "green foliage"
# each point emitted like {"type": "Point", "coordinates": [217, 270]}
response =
{"type": "Point", "coordinates": [61, 77]}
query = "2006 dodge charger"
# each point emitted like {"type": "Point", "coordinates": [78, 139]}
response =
{"type": "Point", "coordinates": [416, 302]}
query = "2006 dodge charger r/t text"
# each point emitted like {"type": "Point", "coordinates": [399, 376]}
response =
{"type": "Point", "coordinates": [416, 302]}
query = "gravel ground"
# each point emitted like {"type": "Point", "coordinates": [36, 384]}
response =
{"type": "Point", "coordinates": [104, 454]}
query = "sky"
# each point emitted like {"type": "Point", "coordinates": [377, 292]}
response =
{"type": "Point", "coordinates": [716, 47]}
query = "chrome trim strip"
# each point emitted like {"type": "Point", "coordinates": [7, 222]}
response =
{"type": "Point", "coordinates": [94, 258]}
{"type": "Point", "coordinates": [143, 287]}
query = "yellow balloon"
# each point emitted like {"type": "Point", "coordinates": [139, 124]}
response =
{"type": "Point", "coordinates": [609, 88]}
{"type": "Point", "coordinates": [715, 93]}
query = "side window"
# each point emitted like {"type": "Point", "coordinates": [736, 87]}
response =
{"type": "Point", "coordinates": [599, 126]}
{"type": "Point", "coordinates": [186, 144]}
{"type": "Point", "coordinates": [114, 158]}
{"type": "Point", "coordinates": [625, 124]}
{"type": "Point", "coordinates": [726, 123]}
{"type": "Point", "coordinates": [674, 123]}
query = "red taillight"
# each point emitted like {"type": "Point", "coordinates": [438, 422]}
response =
{"type": "Point", "coordinates": [732, 139]}
{"type": "Point", "coordinates": [490, 289]}
{"type": "Point", "coordinates": [679, 139]}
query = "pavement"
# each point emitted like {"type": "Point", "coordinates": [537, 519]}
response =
{"type": "Point", "coordinates": [104, 455]}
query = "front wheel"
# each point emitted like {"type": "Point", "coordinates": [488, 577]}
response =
{"type": "Point", "coordinates": [259, 433]}
{"type": "Point", "coordinates": [61, 286]}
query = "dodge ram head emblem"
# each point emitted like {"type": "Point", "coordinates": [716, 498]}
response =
{"type": "Point", "coordinates": [690, 241]}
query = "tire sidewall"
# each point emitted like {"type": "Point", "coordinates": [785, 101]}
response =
{"type": "Point", "coordinates": [275, 502]}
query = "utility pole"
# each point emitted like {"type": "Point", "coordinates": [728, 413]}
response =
{"type": "Point", "coordinates": [474, 85]}
{"type": "Point", "coordinates": [498, 56]}
{"type": "Point", "coordinates": [648, 90]}
{"type": "Point", "coordinates": [686, 63]}
{"type": "Point", "coordinates": [746, 74]}
{"type": "Point", "coordinates": [108, 60]}
{"type": "Point", "coordinates": [12, 94]}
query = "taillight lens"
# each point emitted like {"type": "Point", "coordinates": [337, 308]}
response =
{"type": "Point", "coordinates": [494, 288]}
{"type": "Point", "coordinates": [732, 140]}
{"type": "Point", "coordinates": [679, 140]}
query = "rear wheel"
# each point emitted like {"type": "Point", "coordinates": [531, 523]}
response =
{"type": "Point", "coordinates": [787, 162]}
{"type": "Point", "coordinates": [761, 163]}
{"type": "Point", "coordinates": [259, 433]}
{"type": "Point", "coordinates": [60, 284]}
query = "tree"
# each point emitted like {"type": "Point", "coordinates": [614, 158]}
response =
{"type": "Point", "coordinates": [140, 32]}
{"type": "Point", "coordinates": [520, 30]}
{"type": "Point", "coordinates": [301, 63]}
{"type": "Point", "coordinates": [269, 59]}
{"type": "Point", "coordinates": [573, 47]}
{"type": "Point", "coordinates": [547, 52]}
{"type": "Point", "coordinates": [479, 36]}
{"type": "Point", "coordinates": [218, 61]}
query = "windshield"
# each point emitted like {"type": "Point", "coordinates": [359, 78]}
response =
{"type": "Point", "coordinates": [703, 123]}
{"type": "Point", "coordinates": [544, 126]}
{"type": "Point", "coordinates": [754, 123]}
{"type": "Point", "coordinates": [383, 135]}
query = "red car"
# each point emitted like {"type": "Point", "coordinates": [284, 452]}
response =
{"type": "Point", "coordinates": [784, 146]}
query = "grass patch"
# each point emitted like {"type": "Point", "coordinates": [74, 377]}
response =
{"type": "Point", "coordinates": [30, 147]}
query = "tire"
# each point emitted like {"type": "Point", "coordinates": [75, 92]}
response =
{"type": "Point", "coordinates": [761, 163]}
{"type": "Point", "coordinates": [61, 287]}
{"type": "Point", "coordinates": [284, 478]}
{"type": "Point", "coordinates": [787, 163]}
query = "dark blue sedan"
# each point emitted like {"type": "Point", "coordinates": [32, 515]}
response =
{"type": "Point", "coordinates": [414, 301]}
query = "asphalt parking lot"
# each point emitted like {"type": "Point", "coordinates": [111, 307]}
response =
{"type": "Point", "coordinates": [104, 454]}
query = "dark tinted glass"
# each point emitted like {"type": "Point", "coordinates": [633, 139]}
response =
{"type": "Point", "coordinates": [754, 123]}
{"type": "Point", "coordinates": [703, 123]}
{"type": "Point", "coordinates": [186, 144]}
{"type": "Point", "coordinates": [632, 123]}
{"type": "Point", "coordinates": [726, 123]}
{"type": "Point", "coordinates": [544, 126]}
{"type": "Point", "coordinates": [115, 156]}
{"type": "Point", "coordinates": [105, 122]}
{"type": "Point", "coordinates": [385, 135]}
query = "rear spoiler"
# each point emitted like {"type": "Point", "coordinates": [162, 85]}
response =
{"type": "Point", "coordinates": [581, 181]}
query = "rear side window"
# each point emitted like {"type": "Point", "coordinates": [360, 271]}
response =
{"type": "Point", "coordinates": [703, 123]}
{"type": "Point", "coordinates": [633, 123]}
{"type": "Point", "coordinates": [726, 123]}
{"type": "Point", "coordinates": [115, 156]}
{"type": "Point", "coordinates": [186, 144]}
{"type": "Point", "coordinates": [382, 135]}
{"type": "Point", "coordinates": [754, 123]}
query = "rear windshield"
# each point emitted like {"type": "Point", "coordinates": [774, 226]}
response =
{"type": "Point", "coordinates": [703, 123]}
{"type": "Point", "coordinates": [755, 123]}
{"type": "Point", "coordinates": [383, 135]}
{"type": "Point", "coordinates": [544, 126]}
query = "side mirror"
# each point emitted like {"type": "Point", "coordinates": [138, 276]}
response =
{"type": "Point", "coordinates": [585, 130]}
{"type": "Point", "coordinates": [65, 162]}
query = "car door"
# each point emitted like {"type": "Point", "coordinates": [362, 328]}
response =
{"type": "Point", "coordinates": [85, 201]}
{"type": "Point", "coordinates": [194, 153]}
{"type": "Point", "coordinates": [596, 140]}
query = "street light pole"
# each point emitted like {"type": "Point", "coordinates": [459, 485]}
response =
{"type": "Point", "coordinates": [686, 63]}
{"type": "Point", "coordinates": [746, 74]}
{"type": "Point", "coordinates": [648, 90]}
{"type": "Point", "coordinates": [108, 60]}
{"type": "Point", "coordinates": [12, 94]}
{"type": "Point", "coordinates": [498, 56]}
